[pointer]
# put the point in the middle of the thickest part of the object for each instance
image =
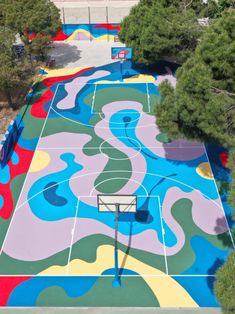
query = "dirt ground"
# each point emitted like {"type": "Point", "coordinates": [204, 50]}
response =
{"type": "Point", "coordinates": [6, 115]}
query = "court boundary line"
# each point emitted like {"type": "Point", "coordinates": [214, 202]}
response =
{"type": "Point", "coordinates": [107, 84]}
{"type": "Point", "coordinates": [95, 126]}
{"type": "Point", "coordinates": [26, 177]}
{"type": "Point", "coordinates": [72, 237]}
{"type": "Point", "coordinates": [75, 219]}
{"type": "Point", "coordinates": [93, 275]}
{"type": "Point", "coordinates": [138, 196]}
{"type": "Point", "coordinates": [127, 171]}
{"type": "Point", "coordinates": [148, 98]}
{"type": "Point", "coordinates": [93, 99]}
{"type": "Point", "coordinates": [163, 234]}
{"type": "Point", "coordinates": [117, 147]}
{"type": "Point", "coordinates": [143, 105]}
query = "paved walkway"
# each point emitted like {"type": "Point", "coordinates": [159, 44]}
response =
{"type": "Point", "coordinates": [74, 54]}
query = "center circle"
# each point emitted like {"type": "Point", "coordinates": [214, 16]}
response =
{"type": "Point", "coordinates": [131, 151]}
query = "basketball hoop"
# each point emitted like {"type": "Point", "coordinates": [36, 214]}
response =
{"type": "Point", "coordinates": [116, 204]}
{"type": "Point", "coordinates": [122, 56]}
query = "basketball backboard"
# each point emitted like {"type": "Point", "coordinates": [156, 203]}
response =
{"type": "Point", "coordinates": [108, 203]}
{"type": "Point", "coordinates": [121, 53]}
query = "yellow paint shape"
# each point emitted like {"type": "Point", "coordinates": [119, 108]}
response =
{"type": "Point", "coordinates": [62, 72]}
{"type": "Point", "coordinates": [80, 30]}
{"type": "Point", "coordinates": [40, 161]}
{"type": "Point", "coordinates": [168, 292]}
{"type": "Point", "coordinates": [134, 79]}
{"type": "Point", "coordinates": [90, 36]}
{"type": "Point", "coordinates": [204, 170]}
{"type": "Point", "coordinates": [140, 78]}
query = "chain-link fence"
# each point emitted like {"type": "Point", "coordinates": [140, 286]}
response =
{"type": "Point", "coordinates": [94, 15]}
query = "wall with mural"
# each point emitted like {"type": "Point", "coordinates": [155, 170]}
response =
{"type": "Point", "coordinates": [88, 32]}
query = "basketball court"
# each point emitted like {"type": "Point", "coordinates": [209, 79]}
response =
{"type": "Point", "coordinates": [161, 212]}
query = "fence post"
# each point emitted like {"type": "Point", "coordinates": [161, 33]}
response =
{"type": "Point", "coordinates": [63, 15]}
{"type": "Point", "coordinates": [89, 16]}
{"type": "Point", "coordinates": [107, 21]}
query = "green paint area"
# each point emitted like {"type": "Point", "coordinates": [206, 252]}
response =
{"type": "Point", "coordinates": [182, 213]}
{"type": "Point", "coordinates": [163, 138]}
{"type": "Point", "coordinates": [16, 186]}
{"type": "Point", "coordinates": [4, 224]}
{"type": "Point", "coordinates": [10, 266]}
{"type": "Point", "coordinates": [117, 159]}
{"type": "Point", "coordinates": [103, 295]}
{"type": "Point", "coordinates": [33, 125]}
{"type": "Point", "coordinates": [32, 129]}
{"type": "Point", "coordinates": [108, 93]}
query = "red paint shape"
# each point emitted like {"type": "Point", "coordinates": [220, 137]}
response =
{"type": "Point", "coordinates": [109, 27]}
{"type": "Point", "coordinates": [224, 158]}
{"type": "Point", "coordinates": [37, 109]}
{"type": "Point", "coordinates": [25, 157]}
{"type": "Point", "coordinates": [7, 208]}
{"type": "Point", "coordinates": [60, 36]}
{"type": "Point", "coordinates": [7, 285]}
{"type": "Point", "coordinates": [53, 80]}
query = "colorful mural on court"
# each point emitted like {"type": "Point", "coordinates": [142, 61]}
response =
{"type": "Point", "coordinates": [107, 32]}
{"type": "Point", "coordinates": [84, 132]}
{"type": "Point", "coordinates": [87, 32]}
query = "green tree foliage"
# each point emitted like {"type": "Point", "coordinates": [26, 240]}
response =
{"type": "Point", "coordinates": [202, 107]}
{"type": "Point", "coordinates": [225, 285]}
{"type": "Point", "coordinates": [158, 29]}
{"type": "Point", "coordinates": [24, 17]}
{"type": "Point", "coordinates": [39, 46]}
{"type": "Point", "coordinates": [30, 16]}
{"type": "Point", "coordinates": [14, 73]}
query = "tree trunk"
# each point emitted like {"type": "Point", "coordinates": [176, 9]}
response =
{"type": "Point", "coordinates": [9, 98]}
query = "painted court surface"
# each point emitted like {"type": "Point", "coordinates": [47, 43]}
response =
{"type": "Point", "coordinates": [86, 133]}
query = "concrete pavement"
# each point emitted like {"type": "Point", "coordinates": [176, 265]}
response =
{"type": "Point", "coordinates": [83, 53]}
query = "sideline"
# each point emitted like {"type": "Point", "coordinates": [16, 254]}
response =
{"type": "Point", "coordinates": [112, 310]}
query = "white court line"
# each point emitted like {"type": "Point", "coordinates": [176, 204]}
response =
{"type": "Point", "coordinates": [118, 171]}
{"type": "Point", "coordinates": [163, 234]}
{"type": "Point", "coordinates": [93, 100]}
{"type": "Point", "coordinates": [99, 275]}
{"type": "Point", "coordinates": [122, 149]}
{"type": "Point", "coordinates": [72, 237]}
{"type": "Point", "coordinates": [100, 127]}
{"type": "Point", "coordinates": [107, 83]}
{"type": "Point", "coordinates": [120, 178]}
{"type": "Point", "coordinates": [25, 180]}
{"type": "Point", "coordinates": [148, 98]}
{"type": "Point", "coordinates": [118, 147]}
{"type": "Point", "coordinates": [219, 198]}
{"type": "Point", "coordinates": [130, 113]}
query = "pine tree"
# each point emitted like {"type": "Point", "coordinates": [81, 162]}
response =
{"type": "Point", "coordinates": [225, 285]}
{"type": "Point", "coordinates": [204, 98]}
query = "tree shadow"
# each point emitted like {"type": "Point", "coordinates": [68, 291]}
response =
{"type": "Point", "coordinates": [224, 237]}
{"type": "Point", "coordinates": [122, 267]}
{"type": "Point", "coordinates": [64, 53]}
{"type": "Point", "coordinates": [9, 143]}
{"type": "Point", "coordinates": [160, 67]}
{"type": "Point", "coordinates": [211, 271]}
